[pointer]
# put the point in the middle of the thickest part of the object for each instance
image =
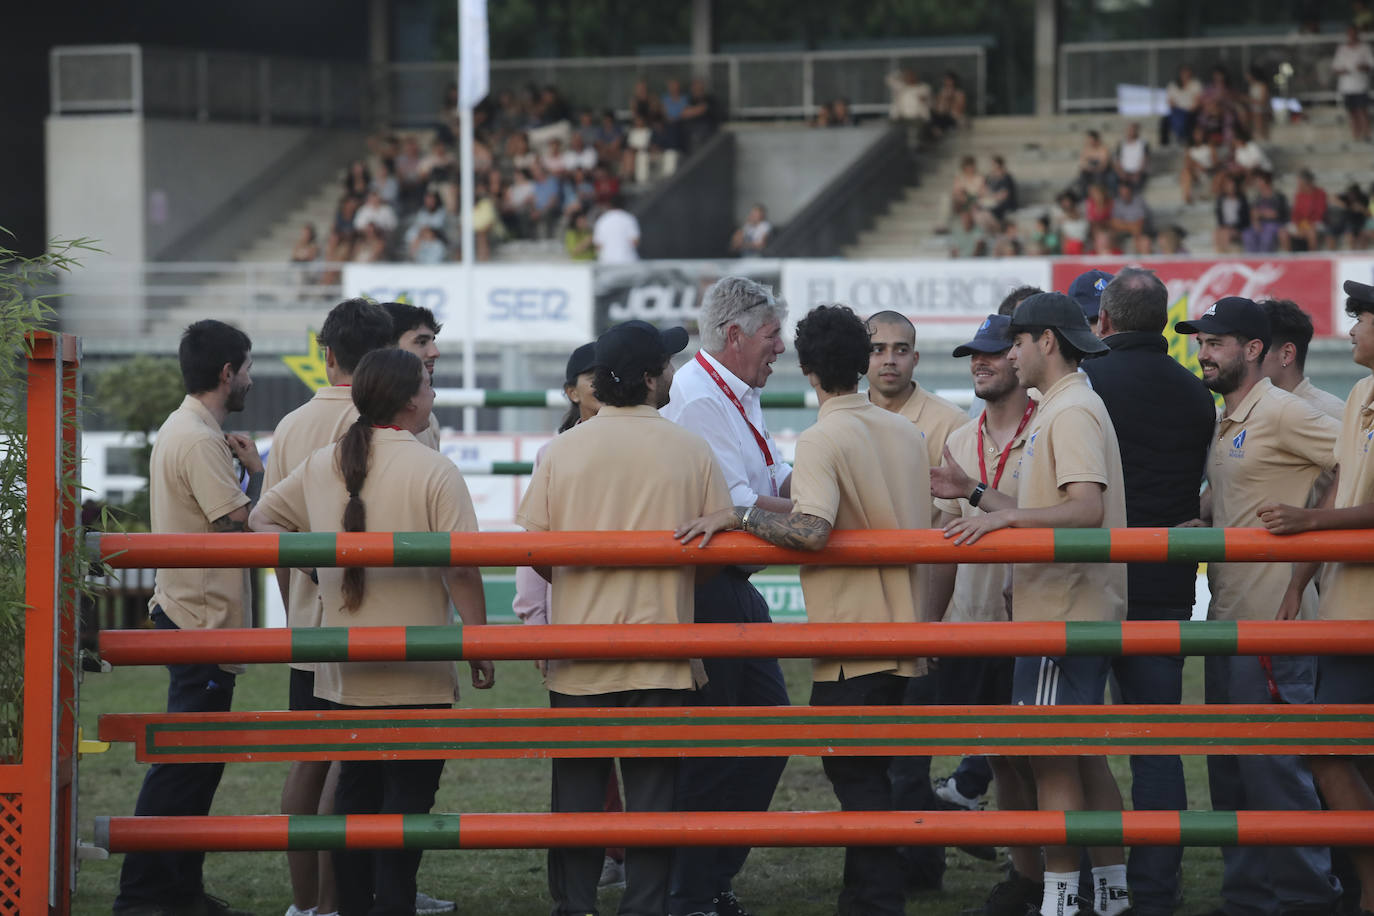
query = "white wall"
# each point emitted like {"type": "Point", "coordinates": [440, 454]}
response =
{"type": "Point", "coordinates": [95, 183]}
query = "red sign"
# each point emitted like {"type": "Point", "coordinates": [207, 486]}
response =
{"type": "Point", "coordinates": [1307, 281]}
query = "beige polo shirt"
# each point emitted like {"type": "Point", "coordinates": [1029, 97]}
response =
{"type": "Point", "coordinates": [626, 469]}
{"type": "Point", "coordinates": [1270, 449]}
{"type": "Point", "coordinates": [409, 487]}
{"type": "Point", "coordinates": [192, 483]}
{"type": "Point", "coordinates": [1070, 439]}
{"type": "Point", "coordinates": [430, 437]}
{"type": "Point", "coordinates": [1334, 408]}
{"type": "Point", "coordinates": [935, 417]}
{"type": "Point", "coordinates": [859, 467]}
{"type": "Point", "coordinates": [1348, 588]}
{"type": "Point", "coordinates": [318, 422]}
{"type": "Point", "coordinates": [979, 588]}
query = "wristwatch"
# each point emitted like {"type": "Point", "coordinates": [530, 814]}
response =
{"type": "Point", "coordinates": [977, 495]}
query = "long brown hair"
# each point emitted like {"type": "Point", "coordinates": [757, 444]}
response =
{"type": "Point", "coordinates": [383, 384]}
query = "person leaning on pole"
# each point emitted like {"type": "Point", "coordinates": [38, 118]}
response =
{"type": "Point", "coordinates": [660, 474]}
{"type": "Point", "coordinates": [193, 488]}
{"type": "Point", "coordinates": [858, 467]}
{"type": "Point", "coordinates": [1069, 476]}
{"type": "Point", "coordinates": [1269, 447]}
{"type": "Point", "coordinates": [1347, 784]}
{"type": "Point", "coordinates": [716, 395]}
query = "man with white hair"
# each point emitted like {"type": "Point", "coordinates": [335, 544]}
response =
{"type": "Point", "coordinates": [716, 396]}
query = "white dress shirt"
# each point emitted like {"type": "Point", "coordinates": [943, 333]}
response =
{"type": "Point", "coordinates": [698, 404]}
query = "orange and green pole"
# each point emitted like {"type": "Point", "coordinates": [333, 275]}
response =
{"type": "Point", "coordinates": [659, 548]}
{"type": "Point", "coordinates": [687, 828]}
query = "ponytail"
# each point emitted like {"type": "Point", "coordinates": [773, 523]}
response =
{"type": "Point", "coordinates": [351, 456]}
{"type": "Point", "coordinates": [570, 418]}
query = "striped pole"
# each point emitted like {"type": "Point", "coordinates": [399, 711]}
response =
{"type": "Point", "coordinates": [554, 398]}
{"type": "Point", "coordinates": [728, 640]}
{"type": "Point", "coordinates": [659, 548]}
{"type": "Point", "coordinates": [277, 833]}
{"type": "Point", "coordinates": [496, 468]}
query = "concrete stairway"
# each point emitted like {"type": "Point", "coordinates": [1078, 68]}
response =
{"type": "Point", "coordinates": [1042, 155]}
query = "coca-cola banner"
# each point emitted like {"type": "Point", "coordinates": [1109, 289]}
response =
{"type": "Point", "coordinates": [1309, 281]}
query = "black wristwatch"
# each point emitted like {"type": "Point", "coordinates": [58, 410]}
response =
{"type": "Point", "coordinates": [977, 495]}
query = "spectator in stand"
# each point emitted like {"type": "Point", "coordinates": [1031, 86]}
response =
{"type": "Point", "coordinates": [429, 246]}
{"type": "Point", "coordinates": [822, 118]}
{"type": "Point", "coordinates": [1247, 157]}
{"type": "Point", "coordinates": [969, 187]}
{"type": "Point", "coordinates": [674, 103]}
{"type": "Point", "coordinates": [1132, 160]}
{"type": "Point", "coordinates": [753, 236]}
{"type": "Point", "coordinates": [968, 240]}
{"type": "Point", "coordinates": [1045, 240]}
{"type": "Point", "coordinates": [447, 125]}
{"type": "Point", "coordinates": [1170, 241]}
{"type": "Point", "coordinates": [307, 247]}
{"type": "Point", "coordinates": [375, 212]}
{"type": "Point", "coordinates": [487, 226]}
{"type": "Point", "coordinates": [910, 103]}
{"type": "Point", "coordinates": [951, 105]}
{"type": "Point", "coordinates": [999, 191]}
{"type": "Point", "coordinates": [1233, 215]}
{"type": "Point", "coordinates": [1007, 243]}
{"type": "Point", "coordinates": [1309, 217]}
{"type": "Point", "coordinates": [1348, 226]}
{"type": "Point", "coordinates": [1261, 102]}
{"type": "Point", "coordinates": [1104, 242]}
{"type": "Point", "coordinates": [1071, 225]}
{"type": "Point", "coordinates": [616, 235]}
{"type": "Point", "coordinates": [407, 166]}
{"type": "Point", "coordinates": [357, 176]}
{"type": "Point", "coordinates": [642, 103]}
{"type": "Point", "coordinates": [1200, 164]}
{"type": "Point", "coordinates": [546, 202]}
{"type": "Point", "coordinates": [638, 151]}
{"type": "Point", "coordinates": [509, 118]}
{"type": "Point", "coordinates": [1220, 90]}
{"type": "Point", "coordinates": [518, 151]}
{"type": "Point", "coordinates": [431, 214]}
{"type": "Point", "coordinates": [579, 194]}
{"type": "Point", "coordinates": [1094, 163]}
{"type": "Point", "coordinates": [552, 161]}
{"type": "Point", "coordinates": [577, 238]}
{"type": "Point", "coordinates": [840, 113]}
{"type": "Point", "coordinates": [610, 139]}
{"type": "Point", "coordinates": [370, 246]}
{"type": "Point", "coordinates": [1268, 215]}
{"type": "Point", "coordinates": [518, 203]}
{"type": "Point", "coordinates": [386, 185]}
{"type": "Point", "coordinates": [586, 127]}
{"type": "Point", "coordinates": [346, 212]}
{"type": "Point", "coordinates": [1098, 210]}
{"type": "Point", "coordinates": [701, 117]}
{"type": "Point", "coordinates": [338, 249]}
{"type": "Point", "coordinates": [1131, 217]}
{"type": "Point", "coordinates": [578, 155]}
{"type": "Point", "coordinates": [1352, 64]}
{"type": "Point", "coordinates": [1217, 120]}
{"type": "Point", "coordinates": [1184, 94]}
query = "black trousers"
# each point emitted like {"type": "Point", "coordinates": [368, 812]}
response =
{"type": "Point", "coordinates": [381, 882]}
{"type": "Point", "coordinates": [580, 785]}
{"type": "Point", "coordinates": [177, 790]}
{"type": "Point", "coordinates": [922, 866]}
{"type": "Point", "coordinates": [872, 874]}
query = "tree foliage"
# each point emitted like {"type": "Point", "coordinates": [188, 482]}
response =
{"type": "Point", "coordinates": [139, 394]}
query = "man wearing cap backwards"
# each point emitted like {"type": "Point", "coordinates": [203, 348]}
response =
{"type": "Point", "coordinates": [1069, 476]}
{"type": "Point", "coordinates": [1086, 289]}
{"type": "Point", "coordinates": [858, 467]}
{"type": "Point", "coordinates": [1163, 467]}
{"type": "Point", "coordinates": [662, 474]}
{"type": "Point", "coordinates": [993, 443]}
{"type": "Point", "coordinates": [1269, 448]}
{"type": "Point", "coordinates": [1346, 784]}
{"type": "Point", "coordinates": [891, 364]}
{"type": "Point", "coordinates": [716, 396]}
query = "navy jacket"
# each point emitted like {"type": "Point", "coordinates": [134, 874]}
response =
{"type": "Point", "coordinates": [1164, 418]}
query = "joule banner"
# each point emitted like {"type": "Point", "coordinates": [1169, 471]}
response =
{"type": "Point", "coordinates": [945, 299]}
{"type": "Point", "coordinates": [1308, 281]}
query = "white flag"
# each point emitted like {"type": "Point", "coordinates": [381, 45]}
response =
{"type": "Point", "coordinates": [473, 63]}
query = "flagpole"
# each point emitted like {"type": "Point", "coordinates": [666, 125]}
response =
{"type": "Point", "coordinates": [472, 88]}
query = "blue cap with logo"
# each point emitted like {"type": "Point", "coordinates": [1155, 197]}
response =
{"type": "Point", "coordinates": [1086, 289]}
{"type": "Point", "coordinates": [993, 336]}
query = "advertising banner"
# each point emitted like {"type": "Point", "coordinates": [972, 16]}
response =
{"type": "Point", "coordinates": [946, 300]}
{"type": "Point", "coordinates": [516, 303]}
{"type": "Point", "coordinates": [668, 293]}
{"type": "Point", "coordinates": [1198, 282]}
{"type": "Point", "coordinates": [1361, 270]}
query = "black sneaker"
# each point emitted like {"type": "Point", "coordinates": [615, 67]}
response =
{"type": "Point", "coordinates": [727, 904]}
{"type": "Point", "coordinates": [214, 906]}
{"type": "Point", "coordinates": [1014, 896]}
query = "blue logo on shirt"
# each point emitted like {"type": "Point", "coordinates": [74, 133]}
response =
{"type": "Point", "coordinates": [1238, 445]}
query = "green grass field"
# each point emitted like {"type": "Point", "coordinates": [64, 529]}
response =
{"type": "Point", "coordinates": [798, 882]}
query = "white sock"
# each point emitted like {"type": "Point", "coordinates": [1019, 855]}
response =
{"type": "Point", "coordinates": [1061, 894]}
{"type": "Point", "coordinates": [1109, 890]}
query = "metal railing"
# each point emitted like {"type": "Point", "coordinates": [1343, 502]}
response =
{"type": "Point", "coordinates": [207, 85]}
{"type": "Point", "coordinates": [1298, 66]}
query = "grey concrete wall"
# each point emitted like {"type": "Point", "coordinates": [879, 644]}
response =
{"type": "Point", "coordinates": [95, 183]}
{"type": "Point", "coordinates": [192, 169]}
{"type": "Point", "coordinates": [784, 167]}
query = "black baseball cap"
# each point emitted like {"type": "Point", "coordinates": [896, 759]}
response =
{"type": "Point", "coordinates": [1058, 311]}
{"type": "Point", "coordinates": [1362, 293]}
{"type": "Point", "coordinates": [1086, 289]}
{"type": "Point", "coordinates": [581, 360]}
{"type": "Point", "coordinates": [632, 348]}
{"type": "Point", "coordinates": [993, 336]}
{"type": "Point", "coordinates": [1231, 315]}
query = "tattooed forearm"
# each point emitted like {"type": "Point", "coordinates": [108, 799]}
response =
{"type": "Point", "coordinates": [796, 531]}
{"type": "Point", "coordinates": [227, 523]}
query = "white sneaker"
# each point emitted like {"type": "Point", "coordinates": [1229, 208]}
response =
{"type": "Point", "coordinates": [612, 873]}
{"type": "Point", "coordinates": [947, 791]}
{"type": "Point", "coordinates": [425, 905]}
{"type": "Point", "coordinates": [294, 910]}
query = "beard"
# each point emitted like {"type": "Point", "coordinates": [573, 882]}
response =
{"type": "Point", "coordinates": [238, 397]}
{"type": "Point", "coordinates": [1228, 378]}
{"type": "Point", "coordinates": [996, 388]}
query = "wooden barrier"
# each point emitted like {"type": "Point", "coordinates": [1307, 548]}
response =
{"type": "Point", "coordinates": [764, 731]}
{"type": "Point", "coordinates": [277, 832]}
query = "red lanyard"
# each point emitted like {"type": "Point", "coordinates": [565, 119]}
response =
{"type": "Point", "coordinates": [387, 426]}
{"type": "Point", "coordinates": [729, 393]}
{"type": "Point", "coordinates": [1006, 449]}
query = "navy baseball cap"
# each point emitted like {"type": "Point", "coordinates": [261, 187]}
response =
{"type": "Point", "coordinates": [632, 348]}
{"type": "Point", "coordinates": [582, 360]}
{"type": "Point", "coordinates": [1231, 315]}
{"type": "Point", "coordinates": [993, 336]}
{"type": "Point", "coordinates": [1086, 289]}
{"type": "Point", "coordinates": [1058, 311]}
